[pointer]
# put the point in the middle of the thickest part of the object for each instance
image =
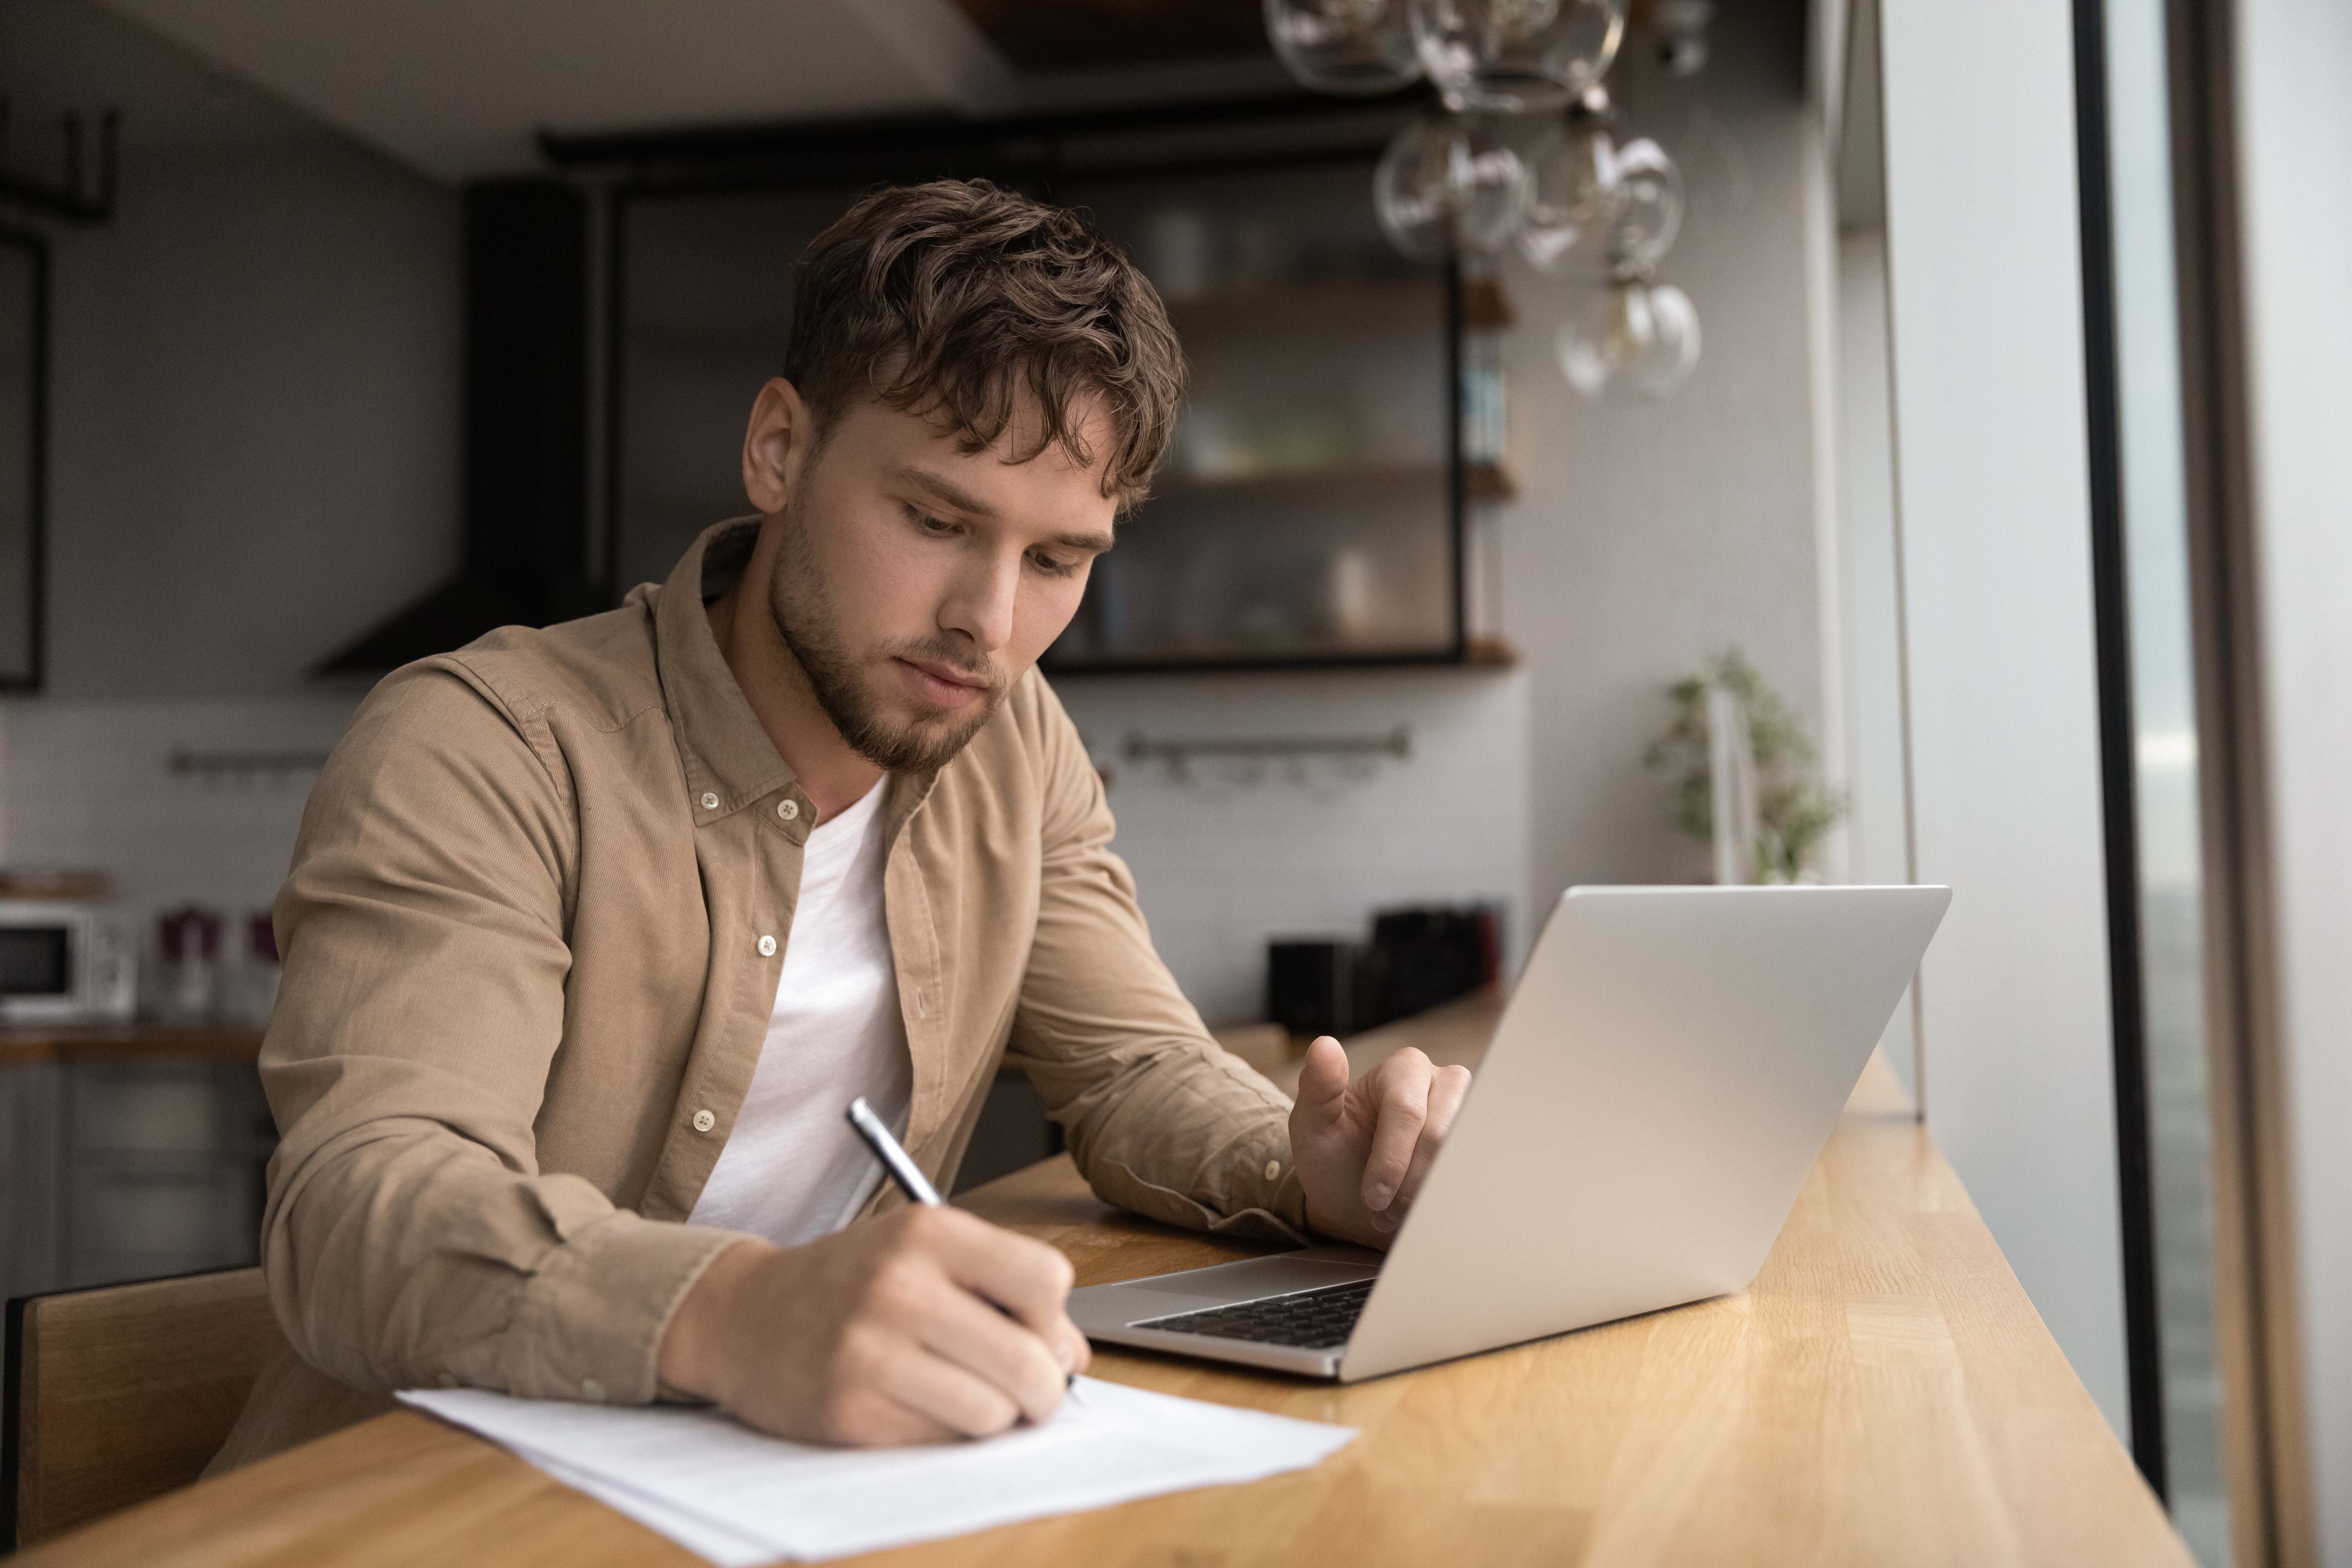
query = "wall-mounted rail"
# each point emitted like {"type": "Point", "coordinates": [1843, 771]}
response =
{"type": "Point", "coordinates": [1178, 755]}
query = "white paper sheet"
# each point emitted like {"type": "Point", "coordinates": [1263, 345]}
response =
{"type": "Point", "coordinates": [713, 1542]}
{"type": "Point", "coordinates": [738, 1497]}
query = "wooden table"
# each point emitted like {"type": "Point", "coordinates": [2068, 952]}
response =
{"type": "Point", "coordinates": [1884, 1395]}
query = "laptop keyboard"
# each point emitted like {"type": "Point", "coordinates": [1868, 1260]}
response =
{"type": "Point", "coordinates": [1317, 1320]}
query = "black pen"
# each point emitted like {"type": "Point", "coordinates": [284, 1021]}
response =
{"type": "Point", "coordinates": [912, 1182]}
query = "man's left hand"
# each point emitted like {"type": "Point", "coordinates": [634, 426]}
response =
{"type": "Point", "coordinates": [1363, 1149]}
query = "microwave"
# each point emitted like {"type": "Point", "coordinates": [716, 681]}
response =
{"type": "Point", "coordinates": [64, 961]}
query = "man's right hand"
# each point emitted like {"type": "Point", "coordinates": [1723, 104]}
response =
{"type": "Point", "coordinates": [889, 1331]}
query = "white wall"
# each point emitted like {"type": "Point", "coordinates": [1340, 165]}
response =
{"type": "Point", "coordinates": [1994, 487]}
{"type": "Point", "coordinates": [89, 784]}
{"type": "Point", "coordinates": [254, 391]}
{"type": "Point", "coordinates": [2295, 57]}
{"type": "Point", "coordinates": [1649, 537]}
{"type": "Point", "coordinates": [1239, 855]}
{"type": "Point", "coordinates": [254, 419]}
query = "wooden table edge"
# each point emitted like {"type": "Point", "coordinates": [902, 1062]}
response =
{"type": "Point", "coordinates": [379, 1469]}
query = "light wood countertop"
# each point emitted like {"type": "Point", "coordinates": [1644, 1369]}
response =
{"type": "Point", "coordinates": [215, 1043]}
{"type": "Point", "coordinates": [1884, 1395]}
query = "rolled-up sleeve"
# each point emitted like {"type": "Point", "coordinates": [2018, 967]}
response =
{"type": "Point", "coordinates": [411, 1238]}
{"type": "Point", "coordinates": [1162, 1120]}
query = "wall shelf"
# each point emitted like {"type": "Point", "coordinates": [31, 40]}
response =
{"type": "Point", "coordinates": [1485, 306]}
{"type": "Point", "coordinates": [1345, 305]}
{"type": "Point", "coordinates": [1492, 653]}
{"type": "Point", "coordinates": [1489, 481]}
{"type": "Point", "coordinates": [1311, 514]}
{"type": "Point", "coordinates": [1297, 485]}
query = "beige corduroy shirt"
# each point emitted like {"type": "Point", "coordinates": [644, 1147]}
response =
{"type": "Point", "coordinates": [532, 933]}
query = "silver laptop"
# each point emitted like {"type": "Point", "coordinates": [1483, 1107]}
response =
{"type": "Point", "coordinates": [1663, 1078]}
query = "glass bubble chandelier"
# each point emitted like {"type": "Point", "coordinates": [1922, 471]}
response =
{"type": "Point", "coordinates": [1579, 204]}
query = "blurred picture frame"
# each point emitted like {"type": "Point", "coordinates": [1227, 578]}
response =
{"type": "Point", "coordinates": [23, 456]}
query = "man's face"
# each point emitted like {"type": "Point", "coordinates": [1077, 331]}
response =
{"type": "Point", "coordinates": [916, 582]}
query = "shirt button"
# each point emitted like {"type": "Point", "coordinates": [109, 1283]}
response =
{"type": "Point", "coordinates": [767, 947]}
{"type": "Point", "coordinates": [704, 1121]}
{"type": "Point", "coordinates": [1274, 1170]}
{"type": "Point", "coordinates": [788, 809]}
{"type": "Point", "coordinates": [591, 1391]}
{"type": "Point", "coordinates": [709, 801]}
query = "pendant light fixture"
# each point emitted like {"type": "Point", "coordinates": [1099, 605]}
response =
{"type": "Point", "coordinates": [1449, 185]}
{"type": "Point", "coordinates": [1581, 205]}
{"type": "Point", "coordinates": [1515, 57]}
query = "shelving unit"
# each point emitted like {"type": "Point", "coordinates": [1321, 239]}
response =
{"type": "Point", "coordinates": [1312, 507]}
{"type": "Point", "coordinates": [1308, 513]}
{"type": "Point", "coordinates": [1343, 305]}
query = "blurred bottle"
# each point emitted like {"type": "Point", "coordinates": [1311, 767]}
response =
{"type": "Point", "coordinates": [1180, 252]}
{"type": "Point", "coordinates": [1485, 407]}
{"type": "Point", "coordinates": [252, 986]}
{"type": "Point", "coordinates": [188, 940]}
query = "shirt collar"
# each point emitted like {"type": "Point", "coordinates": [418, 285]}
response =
{"type": "Point", "coordinates": [724, 751]}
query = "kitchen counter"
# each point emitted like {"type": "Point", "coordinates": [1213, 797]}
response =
{"type": "Point", "coordinates": [220, 1043]}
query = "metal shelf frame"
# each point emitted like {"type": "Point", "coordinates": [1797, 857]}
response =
{"type": "Point", "coordinates": [1032, 154]}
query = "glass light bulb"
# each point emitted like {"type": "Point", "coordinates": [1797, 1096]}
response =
{"type": "Point", "coordinates": [1515, 56]}
{"type": "Point", "coordinates": [1344, 46]}
{"type": "Point", "coordinates": [1448, 183]}
{"type": "Point", "coordinates": [1632, 337]}
{"type": "Point", "coordinates": [1571, 192]}
{"type": "Point", "coordinates": [1648, 209]}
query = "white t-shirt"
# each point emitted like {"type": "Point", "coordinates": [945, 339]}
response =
{"type": "Point", "coordinates": [793, 1170]}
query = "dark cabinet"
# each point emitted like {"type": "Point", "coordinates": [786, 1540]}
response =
{"type": "Point", "coordinates": [1310, 508]}
{"type": "Point", "coordinates": [129, 1168]}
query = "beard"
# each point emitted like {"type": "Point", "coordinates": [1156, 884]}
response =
{"type": "Point", "coordinates": [849, 685]}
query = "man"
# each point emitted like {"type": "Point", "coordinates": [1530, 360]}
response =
{"type": "Point", "coordinates": [591, 932]}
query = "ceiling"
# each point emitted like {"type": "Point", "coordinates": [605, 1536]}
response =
{"type": "Point", "coordinates": [1061, 34]}
{"type": "Point", "coordinates": [462, 87]}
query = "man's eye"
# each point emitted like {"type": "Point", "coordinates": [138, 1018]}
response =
{"type": "Point", "coordinates": [1053, 567]}
{"type": "Point", "coordinates": [929, 524]}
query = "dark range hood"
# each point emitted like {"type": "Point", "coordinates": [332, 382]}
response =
{"type": "Point", "coordinates": [526, 558]}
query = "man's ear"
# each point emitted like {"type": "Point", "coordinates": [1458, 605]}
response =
{"type": "Point", "coordinates": [776, 446]}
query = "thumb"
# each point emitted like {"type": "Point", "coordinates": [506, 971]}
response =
{"type": "Point", "coordinates": [1322, 1077]}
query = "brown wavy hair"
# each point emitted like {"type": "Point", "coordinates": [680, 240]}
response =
{"type": "Point", "coordinates": [961, 300]}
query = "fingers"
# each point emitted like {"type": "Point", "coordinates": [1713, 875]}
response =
{"type": "Point", "coordinates": [1028, 1279]}
{"type": "Point", "coordinates": [1401, 1106]}
{"type": "Point", "coordinates": [952, 1398]}
{"type": "Point", "coordinates": [1446, 1092]}
{"type": "Point", "coordinates": [890, 1389]}
{"type": "Point", "coordinates": [920, 1326]}
{"type": "Point", "coordinates": [962, 1331]}
{"type": "Point", "coordinates": [935, 1349]}
{"type": "Point", "coordinates": [1322, 1080]}
{"type": "Point", "coordinates": [866, 1417]}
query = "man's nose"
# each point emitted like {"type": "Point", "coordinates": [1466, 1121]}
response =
{"type": "Point", "coordinates": [980, 605]}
